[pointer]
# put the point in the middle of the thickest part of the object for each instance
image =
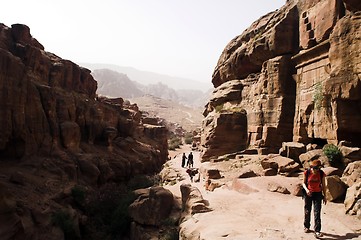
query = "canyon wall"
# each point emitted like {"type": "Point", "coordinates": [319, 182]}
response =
{"type": "Point", "coordinates": [55, 133]}
{"type": "Point", "coordinates": [293, 75]}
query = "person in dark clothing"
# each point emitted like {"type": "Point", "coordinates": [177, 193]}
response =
{"type": "Point", "coordinates": [184, 160]}
{"type": "Point", "coordinates": [192, 172]}
{"type": "Point", "coordinates": [190, 160]}
{"type": "Point", "coordinates": [314, 186]}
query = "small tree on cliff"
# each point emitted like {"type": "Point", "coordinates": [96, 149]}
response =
{"type": "Point", "coordinates": [333, 154]}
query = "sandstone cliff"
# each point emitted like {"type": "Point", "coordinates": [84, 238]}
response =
{"type": "Point", "coordinates": [55, 133]}
{"type": "Point", "coordinates": [293, 75]}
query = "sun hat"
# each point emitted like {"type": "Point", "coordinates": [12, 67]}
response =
{"type": "Point", "coordinates": [315, 163]}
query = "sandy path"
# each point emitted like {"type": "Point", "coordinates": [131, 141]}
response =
{"type": "Point", "coordinates": [261, 214]}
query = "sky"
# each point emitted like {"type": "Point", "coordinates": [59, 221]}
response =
{"type": "Point", "coordinates": [181, 38]}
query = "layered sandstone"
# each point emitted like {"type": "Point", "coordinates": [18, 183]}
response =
{"type": "Point", "coordinates": [56, 133]}
{"type": "Point", "coordinates": [294, 74]}
{"type": "Point", "coordinates": [49, 103]}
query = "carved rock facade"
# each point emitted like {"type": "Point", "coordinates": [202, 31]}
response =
{"type": "Point", "coordinates": [295, 75]}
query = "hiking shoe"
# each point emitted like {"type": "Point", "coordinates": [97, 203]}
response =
{"type": "Point", "coordinates": [306, 230]}
{"type": "Point", "coordinates": [318, 234]}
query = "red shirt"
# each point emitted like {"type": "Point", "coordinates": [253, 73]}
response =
{"type": "Point", "coordinates": [314, 181]}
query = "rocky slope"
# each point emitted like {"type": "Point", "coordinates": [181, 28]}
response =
{"type": "Point", "coordinates": [176, 116]}
{"type": "Point", "coordinates": [293, 75]}
{"type": "Point", "coordinates": [55, 135]}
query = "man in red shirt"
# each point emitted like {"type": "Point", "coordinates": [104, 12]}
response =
{"type": "Point", "coordinates": [314, 186]}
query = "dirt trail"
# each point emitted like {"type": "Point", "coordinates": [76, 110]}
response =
{"type": "Point", "coordinates": [261, 214]}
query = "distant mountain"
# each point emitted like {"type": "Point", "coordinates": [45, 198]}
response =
{"type": "Point", "coordinates": [115, 84]}
{"type": "Point", "coordinates": [146, 78]}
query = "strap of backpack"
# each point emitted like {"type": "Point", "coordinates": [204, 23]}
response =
{"type": "Point", "coordinates": [307, 173]}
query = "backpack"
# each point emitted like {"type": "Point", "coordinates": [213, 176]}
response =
{"type": "Point", "coordinates": [307, 174]}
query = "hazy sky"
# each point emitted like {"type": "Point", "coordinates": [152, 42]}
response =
{"type": "Point", "coordinates": [182, 38]}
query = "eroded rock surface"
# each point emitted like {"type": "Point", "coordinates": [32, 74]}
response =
{"type": "Point", "coordinates": [55, 133]}
{"type": "Point", "coordinates": [295, 75]}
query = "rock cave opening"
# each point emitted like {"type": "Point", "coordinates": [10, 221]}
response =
{"type": "Point", "coordinates": [351, 137]}
{"type": "Point", "coordinates": [319, 141]}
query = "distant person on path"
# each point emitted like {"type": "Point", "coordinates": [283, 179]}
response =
{"type": "Point", "coordinates": [314, 186]}
{"type": "Point", "coordinates": [190, 160]}
{"type": "Point", "coordinates": [184, 160]}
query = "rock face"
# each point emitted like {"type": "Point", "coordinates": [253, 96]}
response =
{"type": "Point", "coordinates": [225, 127]}
{"type": "Point", "coordinates": [294, 74]}
{"type": "Point", "coordinates": [49, 103]}
{"type": "Point", "coordinates": [55, 132]}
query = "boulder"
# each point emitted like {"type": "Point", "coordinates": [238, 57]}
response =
{"type": "Point", "coordinates": [352, 174]}
{"type": "Point", "coordinates": [192, 200]}
{"type": "Point", "coordinates": [353, 199]}
{"type": "Point", "coordinates": [310, 147]}
{"type": "Point", "coordinates": [351, 153]}
{"type": "Point", "coordinates": [275, 187]}
{"type": "Point", "coordinates": [330, 171]}
{"type": "Point", "coordinates": [269, 172]}
{"type": "Point", "coordinates": [335, 188]}
{"type": "Point", "coordinates": [297, 190]}
{"type": "Point", "coordinates": [212, 185]}
{"type": "Point", "coordinates": [170, 175]}
{"type": "Point", "coordinates": [307, 157]}
{"type": "Point", "coordinates": [188, 230]}
{"type": "Point", "coordinates": [213, 174]}
{"type": "Point", "coordinates": [269, 163]}
{"type": "Point", "coordinates": [247, 174]}
{"type": "Point", "coordinates": [285, 165]}
{"type": "Point", "coordinates": [292, 150]}
{"type": "Point", "coordinates": [152, 206]}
